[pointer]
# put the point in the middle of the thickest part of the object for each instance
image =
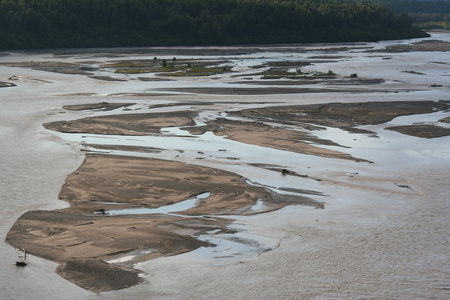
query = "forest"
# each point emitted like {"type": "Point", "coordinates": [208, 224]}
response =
{"type": "Point", "coordinates": [424, 14]}
{"type": "Point", "coordinates": [38, 24]}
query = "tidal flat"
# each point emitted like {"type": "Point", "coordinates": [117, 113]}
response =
{"type": "Point", "coordinates": [307, 167]}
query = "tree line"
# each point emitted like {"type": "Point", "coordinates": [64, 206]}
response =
{"type": "Point", "coordinates": [424, 14]}
{"type": "Point", "coordinates": [33, 24]}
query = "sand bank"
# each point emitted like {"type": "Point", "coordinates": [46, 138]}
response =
{"type": "Point", "coordinates": [86, 234]}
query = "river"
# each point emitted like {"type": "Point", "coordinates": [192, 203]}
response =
{"type": "Point", "coordinates": [35, 162]}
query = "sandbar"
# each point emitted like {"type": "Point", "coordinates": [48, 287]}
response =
{"type": "Point", "coordinates": [84, 236]}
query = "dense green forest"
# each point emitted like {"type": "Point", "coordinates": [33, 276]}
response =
{"type": "Point", "coordinates": [31, 24]}
{"type": "Point", "coordinates": [424, 14]}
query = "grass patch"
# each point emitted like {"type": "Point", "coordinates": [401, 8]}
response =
{"type": "Point", "coordinates": [329, 74]}
{"type": "Point", "coordinates": [434, 25]}
{"type": "Point", "coordinates": [280, 73]}
{"type": "Point", "coordinates": [155, 69]}
{"type": "Point", "coordinates": [165, 67]}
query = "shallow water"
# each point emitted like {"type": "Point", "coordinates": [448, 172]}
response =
{"type": "Point", "coordinates": [383, 142]}
{"type": "Point", "coordinates": [35, 161]}
{"type": "Point", "coordinates": [167, 209]}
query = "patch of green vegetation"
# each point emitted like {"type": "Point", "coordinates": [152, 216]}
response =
{"type": "Point", "coordinates": [169, 68]}
{"type": "Point", "coordinates": [272, 77]}
{"type": "Point", "coordinates": [174, 67]}
{"type": "Point", "coordinates": [145, 67]}
{"type": "Point", "coordinates": [131, 67]}
{"type": "Point", "coordinates": [434, 25]}
{"type": "Point", "coordinates": [280, 73]}
{"type": "Point", "coordinates": [133, 70]}
{"type": "Point", "coordinates": [329, 74]}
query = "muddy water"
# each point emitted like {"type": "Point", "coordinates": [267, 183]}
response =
{"type": "Point", "coordinates": [35, 162]}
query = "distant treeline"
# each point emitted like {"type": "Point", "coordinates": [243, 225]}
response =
{"type": "Point", "coordinates": [32, 24]}
{"type": "Point", "coordinates": [425, 14]}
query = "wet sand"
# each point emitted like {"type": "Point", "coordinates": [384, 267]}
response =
{"type": "Point", "coordinates": [311, 117]}
{"type": "Point", "coordinates": [423, 131]}
{"type": "Point", "coordinates": [6, 84]}
{"type": "Point", "coordinates": [102, 106]}
{"type": "Point", "coordinates": [428, 46]}
{"type": "Point", "coordinates": [85, 234]}
{"type": "Point", "coordinates": [265, 90]}
{"type": "Point", "coordinates": [130, 124]}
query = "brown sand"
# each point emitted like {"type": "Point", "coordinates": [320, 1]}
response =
{"type": "Point", "coordinates": [83, 236]}
{"type": "Point", "coordinates": [129, 124]}
{"type": "Point", "coordinates": [6, 84]}
{"type": "Point", "coordinates": [445, 120]}
{"type": "Point", "coordinates": [58, 67]}
{"type": "Point", "coordinates": [313, 80]}
{"type": "Point", "coordinates": [427, 46]}
{"type": "Point", "coordinates": [423, 131]}
{"type": "Point", "coordinates": [151, 183]}
{"type": "Point", "coordinates": [343, 115]}
{"type": "Point", "coordinates": [273, 137]}
{"type": "Point", "coordinates": [266, 90]}
{"type": "Point", "coordinates": [102, 106]}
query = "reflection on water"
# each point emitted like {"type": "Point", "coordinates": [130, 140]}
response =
{"type": "Point", "coordinates": [232, 246]}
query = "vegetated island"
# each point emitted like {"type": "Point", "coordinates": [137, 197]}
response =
{"type": "Point", "coordinates": [30, 24]}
